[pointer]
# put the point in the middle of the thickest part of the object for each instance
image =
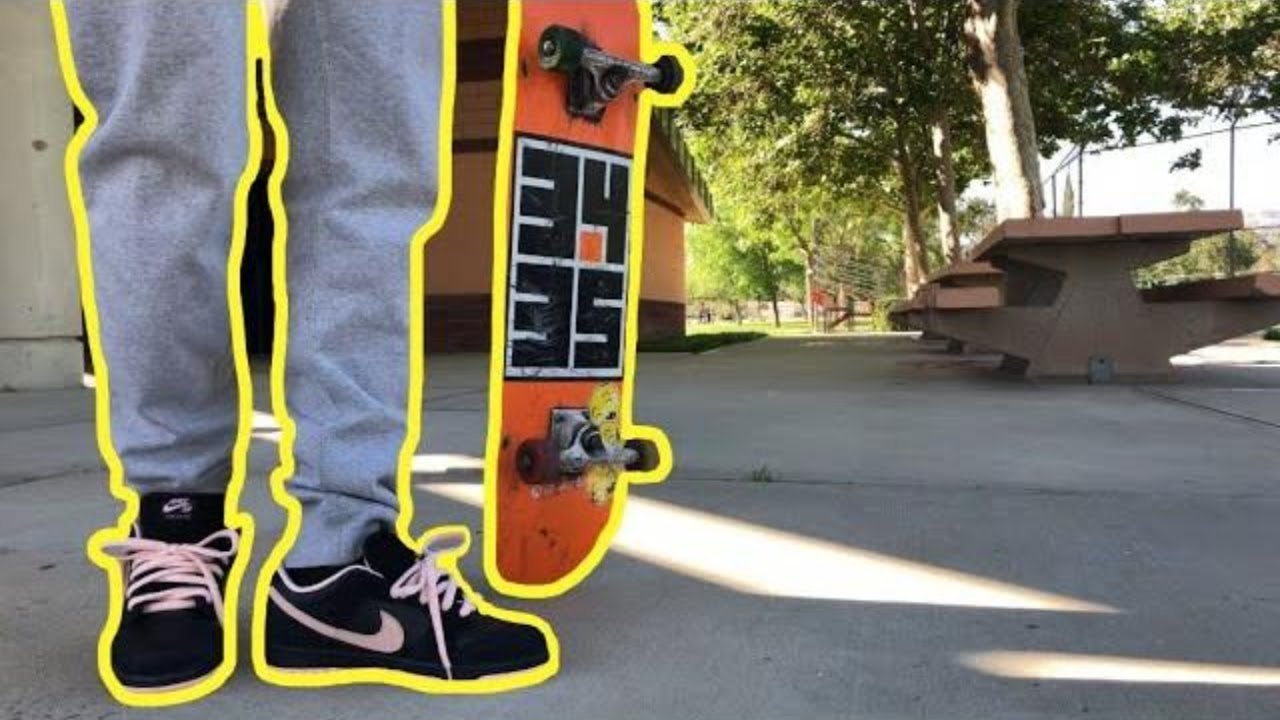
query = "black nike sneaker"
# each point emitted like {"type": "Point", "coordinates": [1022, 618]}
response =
{"type": "Point", "coordinates": [175, 568]}
{"type": "Point", "coordinates": [394, 610]}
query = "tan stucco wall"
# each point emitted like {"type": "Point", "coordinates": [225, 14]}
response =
{"type": "Point", "coordinates": [39, 294]}
{"type": "Point", "coordinates": [663, 274]}
{"type": "Point", "coordinates": [460, 256]}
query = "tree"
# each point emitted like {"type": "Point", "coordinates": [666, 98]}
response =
{"type": "Point", "coordinates": [977, 218]}
{"type": "Point", "coordinates": [1109, 72]}
{"type": "Point", "coordinates": [1069, 198]}
{"type": "Point", "coordinates": [858, 255]}
{"type": "Point", "coordinates": [936, 27]}
{"type": "Point", "coordinates": [715, 266]}
{"type": "Point", "coordinates": [1187, 200]}
{"type": "Point", "coordinates": [732, 262]}
{"type": "Point", "coordinates": [995, 61]}
{"type": "Point", "coordinates": [948, 223]}
{"type": "Point", "coordinates": [766, 273]}
{"type": "Point", "coordinates": [840, 96]}
{"type": "Point", "coordinates": [1219, 57]}
{"type": "Point", "coordinates": [808, 111]}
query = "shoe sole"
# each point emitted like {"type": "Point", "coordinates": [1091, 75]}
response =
{"type": "Point", "coordinates": [302, 664]}
{"type": "Point", "coordinates": [324, 670]}
{"type": "Point", "coordinates": [174, 687]}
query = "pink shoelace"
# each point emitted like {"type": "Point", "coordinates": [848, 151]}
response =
{"type": "Point", "coordinates": [169, 576]}
{"type": "Point", "coordinates": [435, 589]}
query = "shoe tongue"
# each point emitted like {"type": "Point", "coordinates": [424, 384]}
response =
{"type": "Point", "coordinates": [180, 517]}
{"type": "Point", "coordinates": [386, 554]}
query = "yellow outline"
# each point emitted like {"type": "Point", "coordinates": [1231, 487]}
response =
{"type": "Point", "coordinates": [650, 51]}
{"type": "Point", "coordinates": [413, 430]}
{"type": "Point", "coordinates": [233, 518]}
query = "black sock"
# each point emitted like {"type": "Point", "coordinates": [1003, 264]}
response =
{"type": "Point", "coordinates": [313, 574]}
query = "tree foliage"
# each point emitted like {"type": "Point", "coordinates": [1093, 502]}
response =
{"type": "Point", "coordinates": [1220, 57]}
{"type": "Point", "coordinates": [814, 119]}
{"type": "Point", "coordinates": [733, 262]}
{"type": "Point", "coordinates": [814, 95]}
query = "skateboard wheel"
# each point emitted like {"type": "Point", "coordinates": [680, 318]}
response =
{"type": "Point", "coordinates": [647, 457]}
{"type": "Point", "coordinates": [535, 465]}
{"type": "Point", "coordinates": [672, 75]}
{"type": "Point", "coordinates": [560, 48]}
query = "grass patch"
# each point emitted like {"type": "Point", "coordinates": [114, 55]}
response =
{"type": "Point", "coordinates": [789, 327]}
{"type": "Point", "coordinates": [863, 323]}
{"type": "Point", "coordinates": [1272, 334]}
{"type": "Point", "coordinates": [699, 343]}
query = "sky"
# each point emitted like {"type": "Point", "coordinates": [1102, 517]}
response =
{"type": "Point", "coordinates": [1134, 180]}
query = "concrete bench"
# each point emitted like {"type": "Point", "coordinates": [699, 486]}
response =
{"type": "Point", "coordinates": [965, 286]}
{"type": "Point", "coordinates": [1069, 302]}
{"type": "Point", "coordinates": [962, 298]}
{"type": "Point", "coordinates": [966, 273]}
{"type": "Point", "coordinates": [1257, 286]}
{"type": "Point", "coordinates": [905, 313]}
{"type": "Point", "coordinates": [960, 286]}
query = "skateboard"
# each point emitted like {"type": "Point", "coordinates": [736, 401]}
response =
{"type": "Point", "coordinates": [580, 80]}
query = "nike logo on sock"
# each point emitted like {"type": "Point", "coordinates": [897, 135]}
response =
{"type": "Point", "coordinates": [388, 639]}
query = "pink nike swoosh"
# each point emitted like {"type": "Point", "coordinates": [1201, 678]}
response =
{"type": "Point", "coordinates": [388, 639]}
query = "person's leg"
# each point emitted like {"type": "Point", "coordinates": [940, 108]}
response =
{"type": "Point", "coordinates": [359, 87]}
{"type": "Point", "coordinates": [167, 80]}
{"type": "Point", "coordinates": [159, 175]}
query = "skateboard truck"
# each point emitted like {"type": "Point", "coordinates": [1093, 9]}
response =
{"type": "Point", "coordinates": [595, 76]}
{"type": "Point", "coordinates": [573, 446]}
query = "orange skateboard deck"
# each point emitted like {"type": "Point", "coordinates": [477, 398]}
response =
{"type": "Point", "coordinates": [579, 83]}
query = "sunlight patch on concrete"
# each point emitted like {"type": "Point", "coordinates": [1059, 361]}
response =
{"type": "Point", "coordinates": [760, 560]}
{"type": "Point", "coordinates": [1114, 668]}
{"type": "Point", "coordinates": [265, 427]}
{"type": "Point", "coordinates": [1246, 354]}
{"type": "Point", "coordinates": [442, 463]}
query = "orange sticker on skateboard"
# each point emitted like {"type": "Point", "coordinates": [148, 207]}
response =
{"type": "Point", "coordinates": [580, 81]}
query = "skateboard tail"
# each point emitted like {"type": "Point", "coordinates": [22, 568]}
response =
{"type": "Point", "coordinates": [546, 564]}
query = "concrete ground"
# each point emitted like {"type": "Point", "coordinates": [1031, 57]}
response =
{"type": "Point", "coordinates": [856, 528]}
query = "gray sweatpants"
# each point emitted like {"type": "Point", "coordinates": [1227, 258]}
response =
{"type": "Point", "coordinates": [359, 86]}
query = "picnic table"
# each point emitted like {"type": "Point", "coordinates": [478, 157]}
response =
{"type": "Point", "coordinates": [1057, 297]}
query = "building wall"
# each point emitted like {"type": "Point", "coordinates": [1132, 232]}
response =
{"type": "Point", "coordinates": [39, 297]}
{"type": "Point", "coordinates": [662, 293]}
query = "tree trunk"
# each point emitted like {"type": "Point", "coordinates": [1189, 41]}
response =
{"type": "Point", "coordinates": [948, 223]}
{"type": "Point", "coordinates": [809, 270]}
{"type": "Point", "coordinates": [777, 316]}
{"type": "Point", "coordinates": [940, 132]}
{"type": "Point", "coordinates": [995, 65]}
{"type": "Point", "coordinates": [914, 263]}
{"type": "Point", "coordinates": [912, 276]}
{"type": "Point", "coordinates": [808, 247]}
